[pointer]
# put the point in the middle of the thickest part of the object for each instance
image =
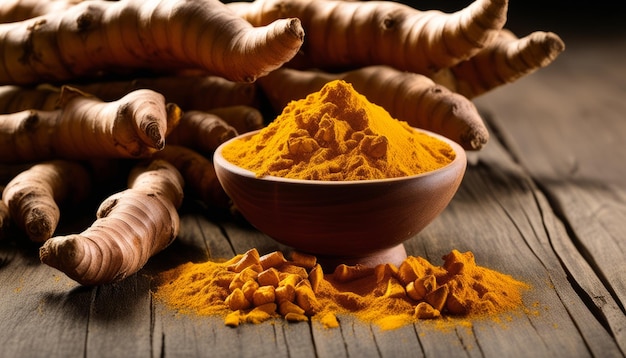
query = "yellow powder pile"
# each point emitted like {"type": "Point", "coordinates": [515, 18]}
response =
{"type": "Point", "coordinates": [337, 134]}
{"type": "Point", "coordinates": [252, 288]}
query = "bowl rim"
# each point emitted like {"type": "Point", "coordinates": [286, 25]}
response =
{"type": "Point", "coordinates": [218, 158]}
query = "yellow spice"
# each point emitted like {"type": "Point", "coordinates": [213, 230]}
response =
{"type": "Point", "coordinates": [458, 288]}
{"type": "Point", "coordinates": [337, 134]}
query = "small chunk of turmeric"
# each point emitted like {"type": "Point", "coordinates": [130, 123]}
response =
{"type": "Point", "coordinates": [424, 310]}
{"type": "Point", "coordinates": [316, 276]}
{"type": "Point", "coordinates": [249, 258]}
{"type": "Point", "coordinates": [237, 300]}
{"type": "Point", "coordinates": [304, 260]}
{"type": "Point", "coordinates": [263, 295]}
{"type": "Point", "coordinates": [269, 277]}
{"type": "Point", "coordinates": [346, 273]}
{"type": "Point", "coordinates": [394, 289]}
{"type": "Point", "coordinates": [305, 298]}
{"type": "Point", "coordinates": [285, 293]}
{"type": "Point", "coordinates": [233, 319]}
{"type": "Point", "coordinates": [295, 317]}
{"type": "Point", "coordinates": [289, 307]}
{"type": "Point", "coordinates": [273, 259]}
{"type": "Point", "coordinates": [438, 297]}
{"type": "Point", "coordinates": [249, 288]}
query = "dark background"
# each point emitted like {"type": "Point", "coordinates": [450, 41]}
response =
{"type": "Point", "coordinates": [593, 18]}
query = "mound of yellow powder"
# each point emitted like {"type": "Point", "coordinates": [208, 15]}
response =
{"type": "Point", "coordinates": [337, 134]}
{"type": "Point", "coordinates": [250, 288]}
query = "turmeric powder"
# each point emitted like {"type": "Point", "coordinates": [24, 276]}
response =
{"type": "Point", "coordinates": [337, 134]}
{"type": "Point", "coordinates": [386, 295]}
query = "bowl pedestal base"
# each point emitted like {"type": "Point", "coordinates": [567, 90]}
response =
{"type": "Point", "coordinates": [394, 255]}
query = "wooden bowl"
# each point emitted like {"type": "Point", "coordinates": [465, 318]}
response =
{"type": "Point", "coordinates": [352, 222]}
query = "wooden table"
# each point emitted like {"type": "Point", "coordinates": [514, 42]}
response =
{"type": "Point", "coordinates": [545, 201]}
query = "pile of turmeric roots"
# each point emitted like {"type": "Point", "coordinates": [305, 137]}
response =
{"type": "Point", "coordinates": [86, 85]}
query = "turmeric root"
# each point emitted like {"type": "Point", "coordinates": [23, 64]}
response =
{"type": "Point", "coordinates": [504, 60]}
{"type": "Point", "coordinates": [131, 226]}
{"type": "Point", "coordinates": [100, 36]}
{"type": "Point", "coordinates": [349, 34]}
{"type": "Point", "coordinates": [199, 93]}
{"type": "Point", "coordinates": [409, 97]}
{"type": "Point", "coordinates": [34, 196]}
{"type": "Point", "coordinates": [19, 10]}
{"type": "Point", "coordinates": [16, 99]}
{"type": "Point", "coordinates": [85, 127]}
{"type": "Point", "coordinates": [198, 172]}
{"type": "Point", "coordinates": [201, 131]}
{"type": "Point", "coordinates": [241, 117]}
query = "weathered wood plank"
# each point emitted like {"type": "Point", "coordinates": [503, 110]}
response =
{"type": "Point", "coordinates": [120, 319]}
{"type": "Point", "coordinates": [566, 121]}
{"type": "Point", "coordinates": [328, 342]}
{"type": "Point", "coordinates": [297, 338]}
{"type": "Point", "coordinates": [447, 341]}
{"type": "Point", "coordinates": [42, 313]}
{"type": "Point", "coordinates": [401, 342]}
{"type": "Point", "coordinates": [202, 236]}
{"type": "Point", "coordinates": [577, 159]}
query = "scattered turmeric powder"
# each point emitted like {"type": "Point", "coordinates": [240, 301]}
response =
{"type": "Point", "coordinates": [337, 134]}
{"type": "Point", "coordinates": [387, 295]}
